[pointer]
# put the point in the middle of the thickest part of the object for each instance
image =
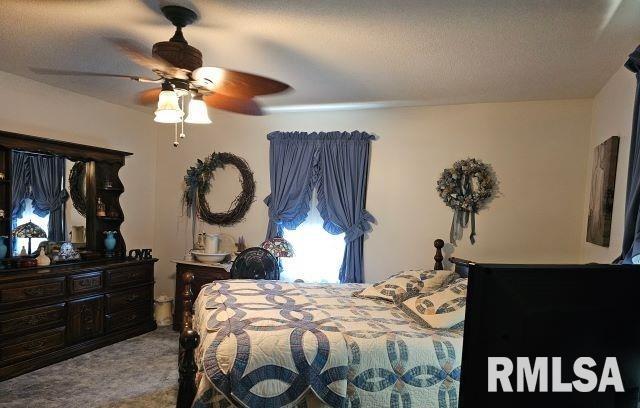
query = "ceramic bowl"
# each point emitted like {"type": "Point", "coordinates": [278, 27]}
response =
{"type": "Point", "coordinates": [203, 257]}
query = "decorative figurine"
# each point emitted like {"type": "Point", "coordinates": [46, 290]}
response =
{"type": "Point", "coordinates": [43, 259]}
{"type": "Point", "coordinates": [101, 209]}
{"type": "Point", "coordinates": [67, 253]}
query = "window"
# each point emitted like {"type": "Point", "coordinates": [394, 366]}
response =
{"type": "Point", "coordinates": [28, 215]}
{"type": "Point", "coordinates": [318, 254]}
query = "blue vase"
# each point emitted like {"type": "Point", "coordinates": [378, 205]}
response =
{"type": "Point", "coordinates": [110, 241]}
{"type": "Point", "coordinates": [3, 248]}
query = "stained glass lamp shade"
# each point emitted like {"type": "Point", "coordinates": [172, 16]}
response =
{"type": "Point", "coordinates": [279, 247]}
{"type": "Point", "coordinates": [29, 230]}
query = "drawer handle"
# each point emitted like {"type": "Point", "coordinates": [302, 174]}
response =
{"type": "Point", "coordinates": [87, 282]}
{"type": "Point", "coordinates": [33, 345]}
{"type": "Point", "coordinates": [132, 317]}
{"type": "Point", "coordinates": [132, 298]}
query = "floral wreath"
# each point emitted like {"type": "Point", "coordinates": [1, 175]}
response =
{"type": "Point", "coordinates": [198, 185]}
{"type": "Point", "coordinates": [466, 187]}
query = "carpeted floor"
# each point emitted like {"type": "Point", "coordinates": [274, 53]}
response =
{"type": "Point", "coordinates": [139, 372]}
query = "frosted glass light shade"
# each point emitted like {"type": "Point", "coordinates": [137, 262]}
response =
{"type": "Point", "coordinates": [198, 111]}
{"type": "Point", "coordinates": [168, 108]}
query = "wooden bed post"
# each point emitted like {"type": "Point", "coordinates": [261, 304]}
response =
{"type": "Point", "coordinates": [439, 244]}
{"type": "Point", "coordinates": [189, 340]}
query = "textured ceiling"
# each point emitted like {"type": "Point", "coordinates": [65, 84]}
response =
{"type": "Point", "coordinates": [341, 51]}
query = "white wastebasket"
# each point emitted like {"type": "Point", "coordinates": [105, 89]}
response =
{"type": "Point", "coordinates": [163, 310]}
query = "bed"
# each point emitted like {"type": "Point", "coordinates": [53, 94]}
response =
{"type": "Point", "coordinates": [270, 344]}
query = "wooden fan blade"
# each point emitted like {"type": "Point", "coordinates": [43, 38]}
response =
{"type": "Point", "coordinates": [236, 83]}
{"type": "Point", "coordinates": [148, 97]}
{"type": "Point", "coordinates": [137, 54]}
{"type": "Point", "coordinates": [47, 71]}
{"type": "Point", "coordinates": [231, 104]}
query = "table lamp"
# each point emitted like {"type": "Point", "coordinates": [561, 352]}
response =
{"type": "Point", "coordinates": [29, 230]}
{"type": "Point", "coordinates": [279, 247]}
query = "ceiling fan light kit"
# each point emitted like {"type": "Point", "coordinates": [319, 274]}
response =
{"type": "Point", "coordinates": [178, 67]}
{"type": "Point", "coordinates": [168, 108]}
{"type": "Point", "coordinates": [198, 111]}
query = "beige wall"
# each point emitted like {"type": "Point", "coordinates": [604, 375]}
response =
{"type": "Point", "coordinates": [538, 150]}
{"type": "Point", "coordinates": [37, 109]}
{"type": "Point", "coordinates": [612, 116]}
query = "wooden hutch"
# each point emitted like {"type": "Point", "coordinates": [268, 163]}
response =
{"type": "Point", "coordinates": [51, 313]}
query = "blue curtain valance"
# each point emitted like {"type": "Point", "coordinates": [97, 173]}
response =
{"type": "Point", "coordinates": [305, 136]}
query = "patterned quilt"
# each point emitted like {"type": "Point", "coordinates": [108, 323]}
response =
{"type": "Point", "coordinates": [275, 344]}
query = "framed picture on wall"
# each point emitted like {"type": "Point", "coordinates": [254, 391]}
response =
{"type": "Point", "coordinates": [603, 182]}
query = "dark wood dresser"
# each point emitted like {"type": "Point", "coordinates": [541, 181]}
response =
{"type": "Point", "coordinates": [202, 274]}
{"type": "Point", "coordinates": [51, 313]}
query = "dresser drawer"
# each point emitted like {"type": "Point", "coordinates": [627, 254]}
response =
{"type": "Point", "coordinates": [129, 275]}
{"type": "Point", "coordinates": [85, 283]}
{"type": "Point", "coordinates": [84, 318]}
{"type": "Point", "coordinates": [32, 319]}
{"type": "Point", "coordinates": [125, 318]}
{"type": "Point", "coordinates": [28, 346]}
{"type": "Point", "coordinates": [32, 290]}
{"type": "Point", "coordinates": [127, 299]}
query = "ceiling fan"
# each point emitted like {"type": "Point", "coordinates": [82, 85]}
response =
{"type": "Point", "coordinates": [179, 70]}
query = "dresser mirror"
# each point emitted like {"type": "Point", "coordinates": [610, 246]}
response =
{"type": "Point", "coordinates": [43, 214]}
{"type": "Point", "coordinates": [54, 192]}
{"type": "Point", "coordinates": [76, 205]}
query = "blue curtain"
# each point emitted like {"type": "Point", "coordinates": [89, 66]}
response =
{"type": "Point", "coordinates": [40, 178]}
{"type": "Point", "coordinates": [342, 189]}
{"type": "Point", "coordinates": [631, 238]}
{"type": "Point", "coordinates": [48, 194]}
{"type": "Point", "coordinates": [334, 163]}
{"type": "Point", "coordinates": [20, 180]}
{"type": "Point", "coordinates": [292, 157]}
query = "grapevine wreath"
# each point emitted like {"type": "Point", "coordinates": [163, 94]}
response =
{"type": "Point", "coordinates": [198, 185]}
{"type": "Point", "coordinates": [76, 187]}
{"type": "Point", "coordinates": [466, 188]}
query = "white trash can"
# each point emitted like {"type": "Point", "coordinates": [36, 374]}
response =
{"type": "Point", "coordinates": [163, 310]}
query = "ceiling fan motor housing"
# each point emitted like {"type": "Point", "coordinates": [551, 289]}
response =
{"type": "Point", "coordinates": [177, 51]}
{"type": "Point", "coordinates": [178, 54]}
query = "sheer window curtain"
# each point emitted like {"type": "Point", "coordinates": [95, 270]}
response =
{"type": "Point", "coordinates": [318, 254]}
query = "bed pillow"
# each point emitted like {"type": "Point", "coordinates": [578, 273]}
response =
{"type": "Point", "coordinates": [407, 283]}
{"type": "Point", "coordinates": [439, 309]}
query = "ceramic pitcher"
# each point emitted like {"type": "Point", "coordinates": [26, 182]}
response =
{"type": "Point", "coordinates": [211, 243]}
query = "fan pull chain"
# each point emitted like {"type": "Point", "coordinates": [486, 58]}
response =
{"type": "Point", "coordinates": [175, 135]}
{"type": "Point", "coordinates": [182, 135]}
